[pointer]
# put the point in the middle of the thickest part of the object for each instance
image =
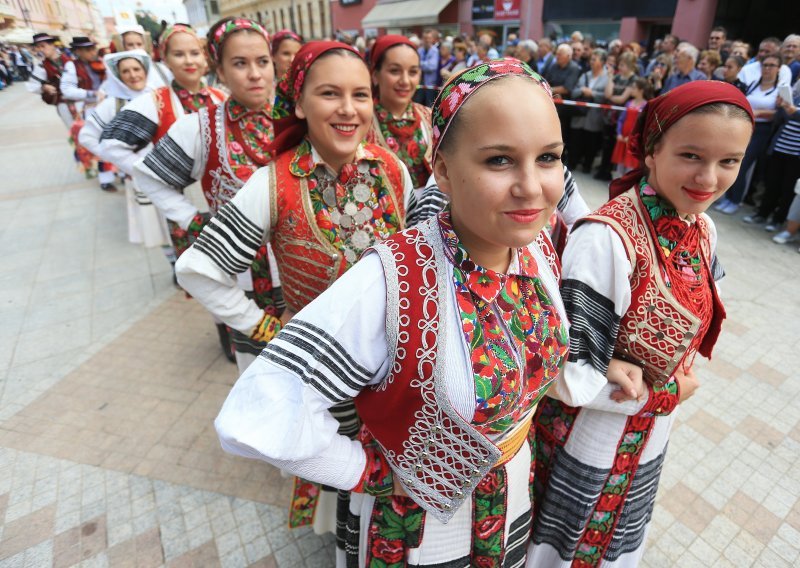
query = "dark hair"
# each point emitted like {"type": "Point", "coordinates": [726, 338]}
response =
{"type": "Point", "coordinates": [771, 39]}
{"type": "Point", "coordinates": [740, 62]}
{"type": "Point", "coordinates": [645, 86]}
{"type": "Point", "coordinates": [720, 29]}
{"type": "Point", "coordinates": [379, 63]}
{"type": "Point", "coordinates": [213, 30]}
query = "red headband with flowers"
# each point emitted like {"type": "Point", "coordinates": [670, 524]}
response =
{"type": "Point", "coordinates": [233, 25]}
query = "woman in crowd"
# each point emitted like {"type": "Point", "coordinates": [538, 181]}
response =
{"type": "Point", "coordinates": [639, 282]}
{"type": "Point", "coordinates": [623, 158]}
{"type": "Point", "coordinates": [782, 168]}
{"type": "Point", "coordinates": [285, 45]}
{"type": "Point", "coordinates": [222, 146]}
{"type": "Point", "coordinates": [661, 70]}
{"type": "Point", "coordinates": [402, 126]}
{"type": "Point", "coordinates": [618, 91]}
{"type": "Point", "coordinates": [447, 336]}
{"type": "Point", "coordinates": [459, 61]}
{"type": "Point", "coordinates": [322, 201]}
{"type": "Point", "coordinates": [763, 98]}
{"type": "Point", "coordinates": [127, 79]}
{"type": "Point", "coordinates": [709, 62]}
{"type": "Point", "coordinates": [731, 69]}
{"type": "Point", "coordinates": [587, 124]}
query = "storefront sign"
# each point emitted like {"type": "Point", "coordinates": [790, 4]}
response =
{"type": "Point", "coordinates": [349, 2]}
{"type": "Point", "coordinates": [506, 9]}
{"type": "Point", "coordinates": [483, 9]}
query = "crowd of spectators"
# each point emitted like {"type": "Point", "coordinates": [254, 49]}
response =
{"type": "Point", "coordinates": [626, 75]}
{"type": "Point", "coordinates": [16, 64]}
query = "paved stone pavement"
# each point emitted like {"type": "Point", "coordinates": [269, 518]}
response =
{"type": "Point", "coordinates": [110, 379]}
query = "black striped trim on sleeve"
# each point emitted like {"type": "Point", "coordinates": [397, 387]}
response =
{"type": "Point", "coordinates": [430, 203]}
{"type": "Point", "coordinates": [318, 359]}
{"type": "Point", "coordinates": [570, 185]}
{"type": "Point", "coordinates": [594, 324]}
{"type": "Point", "coordinates": [231, 240]}
{"type": "Point", "coordinates": [169, 162]}
{"type": "Point", "coordinates": [131, 128]}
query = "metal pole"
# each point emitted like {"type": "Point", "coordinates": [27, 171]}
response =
{"type": "Point", "coordinates": [25, 13]}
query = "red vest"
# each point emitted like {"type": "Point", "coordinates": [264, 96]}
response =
{"type": "Point", "coordinates": [166, 111]}
{"type": "Point", "coordinates": [54, 78]}
{"type": "Point", "coordinates": [656, 332]}
{"type": "Point", "coordinates": [84, 75]}
{"type": "Point", "coordinates": [439, 455]}
{"type": "Point", "coordinates": [307, 261]}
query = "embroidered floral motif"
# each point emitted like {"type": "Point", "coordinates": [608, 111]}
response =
{"type": "Point", "coordinates": [406, 138]}
{"type": "Point", "coordinates": [182, 239]}
{"type": "Point", "coordinates": [395, 526]}
{"type": "Point", "coordinates": [234, 25]}
{"type": "Point", "coordinates": [192, 102]}
{"type": "Point", "coordinates": [248, 138]}
{"type": "Point", "coordinates": [488, 520]}
{"type": "Point", "coordinates": [512, 327]}
{"type": "Point", "coordinates": [353, 209]}
{"type": "Point", "coordinates": [670, 231]}
{"type": "Point", "coordinates": [303, 504]}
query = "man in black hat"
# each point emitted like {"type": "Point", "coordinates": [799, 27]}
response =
{"type": "Point", "coordinates": [46, 77]}
{"type": "Point", "coordinates": [80, 84]}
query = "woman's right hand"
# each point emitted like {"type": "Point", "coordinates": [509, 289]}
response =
{"type": "Point", "coordinates": [687, 383]}
{"type": "Point", "coordinates": [628, 377]}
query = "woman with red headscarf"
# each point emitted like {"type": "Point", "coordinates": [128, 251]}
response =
{"type": "Point", "coordinates": [323, 200]}
{"type": "Point", "coordinates": [402, 126]}
{"type": "Point", "coordinates": [285, 45]}
{"type": "Point", "coordinates": [639, 285]}
{"type": "Point", "coordinates": [446, 335]}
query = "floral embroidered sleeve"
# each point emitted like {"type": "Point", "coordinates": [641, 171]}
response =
{"type": "Point", "coordinates": [662, 400]}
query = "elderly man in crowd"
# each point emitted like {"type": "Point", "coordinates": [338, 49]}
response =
{"type": "Point", "coordinates": [546, 55]}
{"type": "Point", "coordinates": [528, 52]}
{"type": "Point", "coordinates": [563, 75]}
{"type": "Point", "coordinates": [685, 71]}
{"type": "Point", "coordinates": [429, 62]}
{"type": "Point", "coordinates": [667, 46]}
{"type": "Point", "coordinates": [751, 72]}
{"type": "Point", "coordinates": [790, 51]}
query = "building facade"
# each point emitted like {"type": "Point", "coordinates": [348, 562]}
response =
{"type": "Point", "coordinates": [310, 18]}
{"type": "Point", "coordinates": [202, 13]}
{"type": "Point", "coordinates": [630, 20]}
{"type": "Point", "coordinates": [62, 18]}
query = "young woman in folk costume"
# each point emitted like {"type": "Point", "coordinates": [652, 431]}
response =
{"type": "Point", "coordinates": [402, 126]}
{"type": "Point", "coordinates": [222, 146]}
{"type": "Point", "coordinates": [285, 45]}
{"type": "Point", "coordinates": [446, 335]}
{"type": "Point", "coordinates": [128, 73]}
{"type": "Point", "coordinates": [639, 285]}
{"type": "Point", "coordinates": [143, 122]}
{"type": "Point", "coordinates": [325, 198]}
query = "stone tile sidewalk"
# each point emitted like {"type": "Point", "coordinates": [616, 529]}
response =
{"type": "Point", "coordinates": [110, 380]}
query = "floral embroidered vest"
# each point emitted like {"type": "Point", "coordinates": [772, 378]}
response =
{"type": "Point", "coordinates": [307, 261]}
{"type": "Point", "coordinates": [439, 455]}
{"type": "Point", "coordinates": [656, 331]}
{"type": "Point", "coordinates": [410, 153]}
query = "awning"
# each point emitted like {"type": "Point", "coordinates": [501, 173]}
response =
{"type": "Point", "coordinates": [404, 14]}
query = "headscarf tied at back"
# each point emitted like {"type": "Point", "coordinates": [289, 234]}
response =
{"type": "Point", "coordinates": [290, 130]}
{"type": "Point", "coordinates": [665, 110]}
{"type": "Point", "coordinates": [233, 25]}
{"type": "Point", "coordinates": [383, 43]}
{"type": "Point", "coordinates": [281, 35]}
{"type": "Point", "coordinates": [169, 32]}
{"type": "Point", "coordinates": [113, 86]}
{"type": "Point", "coordinates": [461, 86]}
